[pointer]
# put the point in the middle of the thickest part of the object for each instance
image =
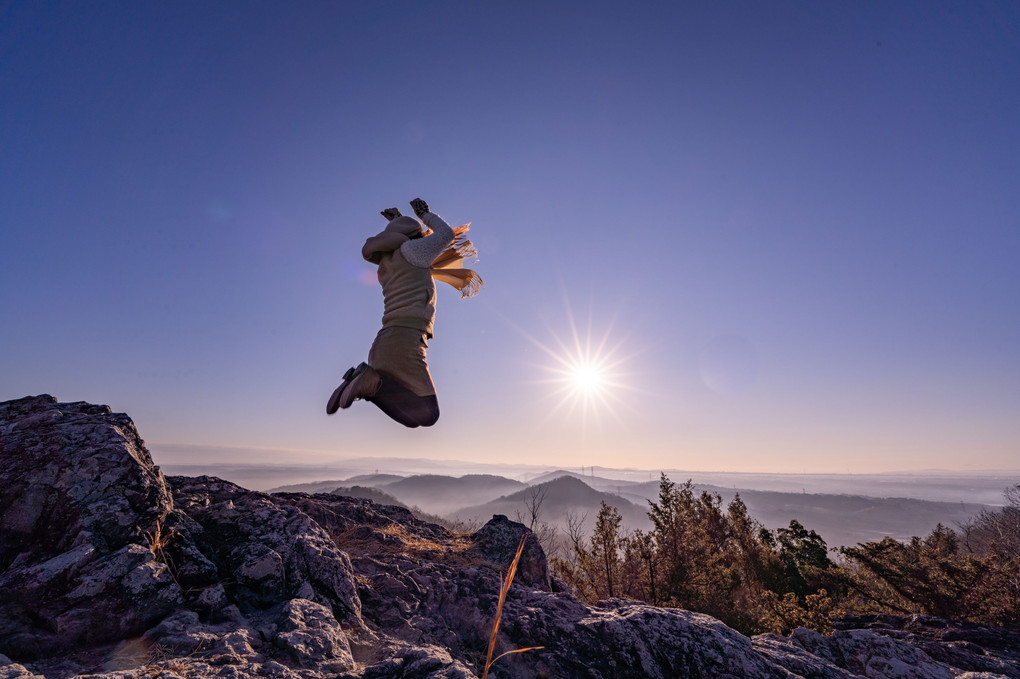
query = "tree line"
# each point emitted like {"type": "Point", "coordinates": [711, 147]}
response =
{"type": "Point", "coordinates": [704, 557]}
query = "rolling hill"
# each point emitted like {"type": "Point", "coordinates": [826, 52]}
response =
{"type": "Point", "coordinates": [841, 519]}
{"type": "Point", "coordinates": [563, 495]}
{"type": "Point", "coordinates": [310, 487]}
{"type": "Point", "coordinates": [369, 493]}
{"type": "Point", "coordinates": [437, 494]}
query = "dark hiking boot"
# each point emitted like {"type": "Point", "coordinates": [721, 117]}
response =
{"type": "Point", "coordinates": [364, 383]}
{"type": "Point", "coordinates": [334, 401]}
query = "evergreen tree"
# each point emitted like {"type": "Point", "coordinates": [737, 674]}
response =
{"type": "Point", "coordinates": [930, 575]}
{"type": "Point", "coordinates": [605, 546]}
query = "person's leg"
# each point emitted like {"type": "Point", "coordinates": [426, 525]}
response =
{"type": "Point", "coordinates": [406, 393]}
{"type": "Point", "coordinates": [403, 405]}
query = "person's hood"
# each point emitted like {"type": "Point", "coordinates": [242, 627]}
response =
{"type": "Point", "coordinates": [396, 233]}
{"type": "Point", "coordinates": [408, 226]}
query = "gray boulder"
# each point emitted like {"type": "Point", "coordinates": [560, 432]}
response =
{"type": "Point", "coordinates": [498, 541]}
{"type": "Point", "coordinates": [264, 551]}
{"type": "Point", "coordinates": [79, 493]}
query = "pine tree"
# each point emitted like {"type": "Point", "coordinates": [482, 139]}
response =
{"type": "Point", "coordinates": [605, 545]}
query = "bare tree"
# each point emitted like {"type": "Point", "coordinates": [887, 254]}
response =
{"type": "Point", "coordinates": [531, 516]}
{"type": "Point", "coordinates": [533, 500]}
{"type": "Point", "coordinates": [992, 530]}
{"type": "Point", "coordinates": [575, 533]}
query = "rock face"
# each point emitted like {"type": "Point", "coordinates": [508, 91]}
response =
{"type": "Point", "coordinates": [78, 492]}
{"type": "Point", "coordinates": [109, 569]}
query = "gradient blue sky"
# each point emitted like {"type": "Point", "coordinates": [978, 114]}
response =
{"type": "Point", "coordinates": [797, 224]}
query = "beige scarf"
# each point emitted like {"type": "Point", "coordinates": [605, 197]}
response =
{"type": "Point", "coordinates": [448, 266]}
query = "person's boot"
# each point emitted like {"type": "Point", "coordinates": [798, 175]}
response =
{"type": "Point", "coordinates": [363, 383]}
{"type": "Point", "coordinates": [336, 399]}
{"type": "Point", "coordinates": [333, 404]}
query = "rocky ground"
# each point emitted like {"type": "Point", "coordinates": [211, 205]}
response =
{"type": "Point", "coordinates": [110, 569]}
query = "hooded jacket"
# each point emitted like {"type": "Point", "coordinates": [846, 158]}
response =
{"type": "Point", "coordinates": [409, 292]}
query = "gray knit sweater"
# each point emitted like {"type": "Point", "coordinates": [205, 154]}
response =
{"type": "Point", "coordinates": [421, 252]}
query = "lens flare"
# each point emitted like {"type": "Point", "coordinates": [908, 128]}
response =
{"type": "Point", "coordinates": [585, 373]}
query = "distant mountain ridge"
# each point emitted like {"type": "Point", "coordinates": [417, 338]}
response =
{"type": "Point", "coordinates": [562, 495]}
{"type": "Point", "coordinates": [842, 519]}
{"type": "Point", "coordinates": [971, 487]}
{"type": "Point", "coordinates": [310, 487]}
{"type": "Point", "coordinates": [369, 493]}
{"type": "Point", "coordinates": [443, 495]}
{"type": "Point", "coordinates": [597, 482]}
{"type": "Point", "coordinates": [378, 480]}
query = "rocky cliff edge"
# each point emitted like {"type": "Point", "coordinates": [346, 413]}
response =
{"type": "Point", "coordinates": [110, 569]}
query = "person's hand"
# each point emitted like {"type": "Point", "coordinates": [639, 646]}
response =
{"type": "Point", "coordinates": [390, 213]}
{"type": "Point", "coordinates": [420, 207]}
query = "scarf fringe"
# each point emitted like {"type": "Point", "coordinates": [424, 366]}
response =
{"type": "Point", "coordinates": [467, 281]}
{"type": "Point", "coordinates": [448, 266]}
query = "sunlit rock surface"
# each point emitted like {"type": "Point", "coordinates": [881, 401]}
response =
{"type": "Point", "coordinates": [108, 569]}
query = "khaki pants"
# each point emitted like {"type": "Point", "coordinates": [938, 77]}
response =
{"type": "Point", "coordinates": [400, 353]}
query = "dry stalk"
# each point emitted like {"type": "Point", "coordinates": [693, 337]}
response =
{"type": "Point", "coordinates": [503, 590]}
{"type": "Point", "coordinates": [159, 538]}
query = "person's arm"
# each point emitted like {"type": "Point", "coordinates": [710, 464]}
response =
{"type": "Point", "coordinates": [376, 246]}
{"type": "Point", "coordinates": [422, 252]}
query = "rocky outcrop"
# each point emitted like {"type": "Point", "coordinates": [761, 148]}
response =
{"type": "Point", "coordinates": [109, 569]}
{"type": "Point", "coordinates": [894, 646]}
{"type": "Point", "coordinates": [78, 491]}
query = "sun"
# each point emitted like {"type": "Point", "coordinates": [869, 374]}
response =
{"type": "Point", "coordinates": [586, 372]}
{"type": "Point", "coordinates": [582, 376]}
{"type": "Point", "coordinates": [587, 377]}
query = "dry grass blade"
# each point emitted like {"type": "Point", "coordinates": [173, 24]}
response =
{"type": "Point", "coordinates": [516, 650]}
{"type": "Point", "coordinates": [503, 590]}
{"type": "Point", "coordinates": [159, 538]}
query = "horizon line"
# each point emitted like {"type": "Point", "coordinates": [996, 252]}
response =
{"type": "Point", "coordinates": [549, 468]}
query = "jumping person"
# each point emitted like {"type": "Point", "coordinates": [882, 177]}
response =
{"type": "Point", "coordinates": [396, 377]}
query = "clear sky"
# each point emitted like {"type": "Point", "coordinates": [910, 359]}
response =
{"type": "Point", "coordinates": [795, 226]}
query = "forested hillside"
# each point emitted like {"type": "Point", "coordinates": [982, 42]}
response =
{"type": "Point", "coordinates": [703, 556]}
